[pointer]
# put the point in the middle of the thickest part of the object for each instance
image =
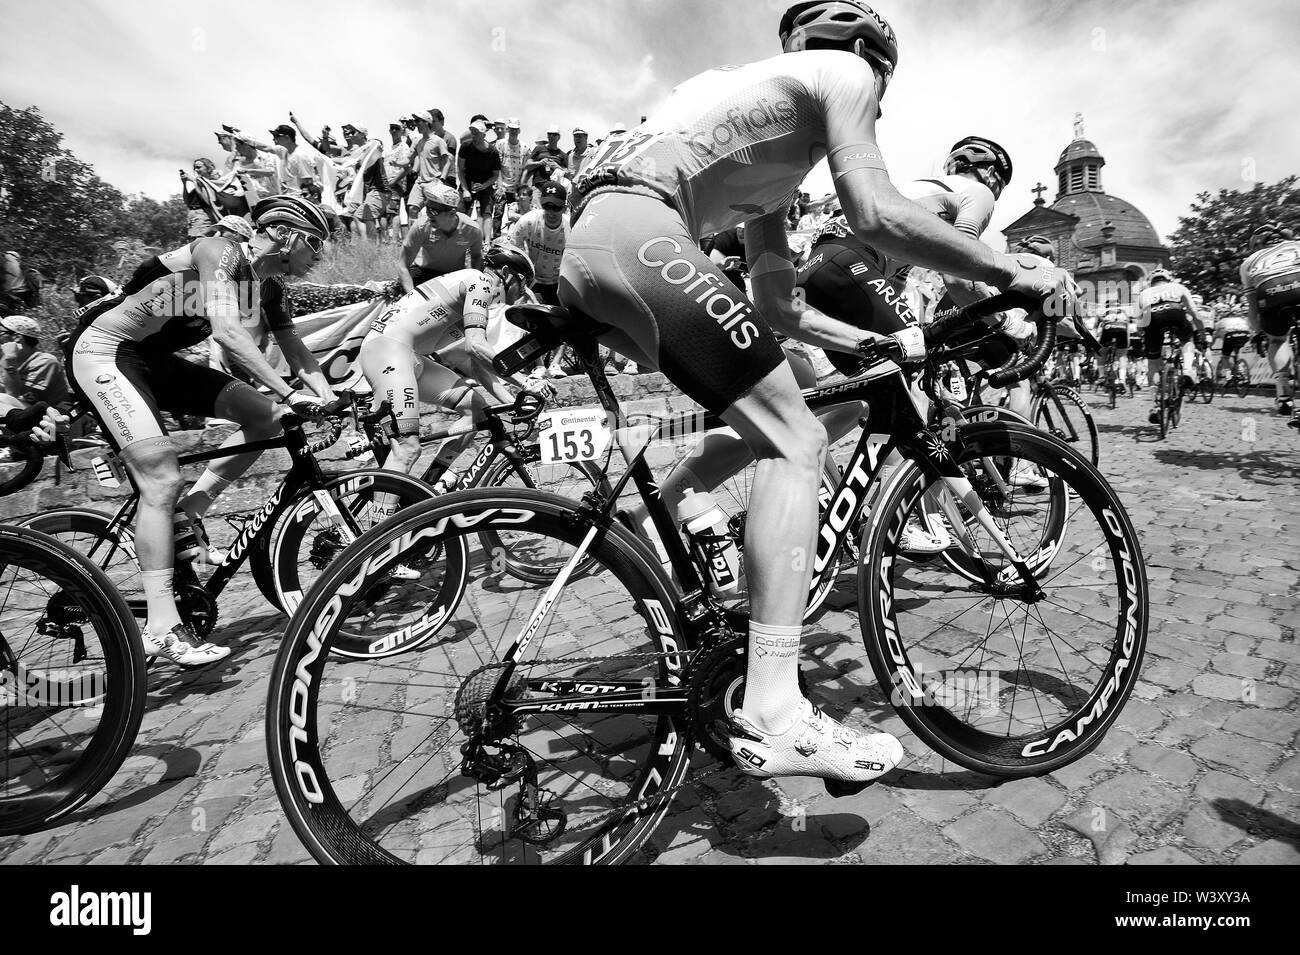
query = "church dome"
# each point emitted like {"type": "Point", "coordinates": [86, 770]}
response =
{"type": "Point", "coordinates": [1095, 209]}
{"type": "Point", "coordinates": [1079, 149]}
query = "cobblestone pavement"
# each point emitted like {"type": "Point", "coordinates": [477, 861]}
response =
{"type": "Point", "coordinates": [1200, 768]}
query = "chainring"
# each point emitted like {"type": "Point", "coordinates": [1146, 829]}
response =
{"type": "Point", "coordinates": [717, 688]}
{"type": "Point", "coordinates": [197, 607]}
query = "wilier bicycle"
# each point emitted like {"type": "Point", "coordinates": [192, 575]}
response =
{"type": "Point", "coordinates": [307, 520]}
{"type": "Point", "coordinates": [555, 722]}
{"type": "Point", "coordinates": [72, 681]}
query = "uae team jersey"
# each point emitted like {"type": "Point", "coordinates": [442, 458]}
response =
{"type": "Point", "coordinates": [1280, 259]}
{"type": "Point", "coordinates": [433, 316]}
{"type": "Point", "coordinates": [735, 142]}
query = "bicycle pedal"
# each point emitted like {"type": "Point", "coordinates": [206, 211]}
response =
{"type": "Point", "coordinates": [839, 788]}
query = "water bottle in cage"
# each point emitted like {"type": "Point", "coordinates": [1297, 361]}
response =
{"type": "Point", "coordinates": [705, 524]}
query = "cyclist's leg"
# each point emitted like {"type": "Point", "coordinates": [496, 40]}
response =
{"type": "Point", "coordinates": [1153, 341]}
{"type": "Point", "coordinates": [113, 380]}
{"type": "Point", "coordinates": [440, 385]}
{"type": "Point", "coordinates": [233, 400]}
{"type": "Point", "coordinates": [390, 367]}
{"type": "Point", "coordinates": [631, 262]}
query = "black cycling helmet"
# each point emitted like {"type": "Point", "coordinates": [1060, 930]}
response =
{"type": "Point", "coordinates": [838, 23]}
{"type": "Point", "coordinates": [1268, 234]}
{"type": "Point", "coordinates": [90, 288]}
{"type": "Point", "coordinates": [1038, 245]}
{"type": "Point", "coordinates": [1160, 275]}
{"type": "Point", "coordinates": [504, 255]}
{"type": "Point", "coordinates": [293, 213]}
{"type": "Point", "coordinates": [978, 151]}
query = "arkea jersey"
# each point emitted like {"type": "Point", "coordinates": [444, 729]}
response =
{"type": "Point", "coordinates": [735, 142]}
{"type": "Point", "coordinates": [162, 305]}
{"type": "Point", "coordinates": [433, 316]}
{"type": "Point", "coordinates": [1280, 259]}
{"type": "Point", "coordinates": [545, 247]}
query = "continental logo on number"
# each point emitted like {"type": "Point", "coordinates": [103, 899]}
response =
{"type": "Point", "coordinates": [740, 127]}
{"type": "Point", "coordinates": [704, 288]}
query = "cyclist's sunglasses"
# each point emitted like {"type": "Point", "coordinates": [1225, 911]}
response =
{"type": "Point", "coordinates": [315, 243]}
{"type": "Point", "coordinates": [437, 210]}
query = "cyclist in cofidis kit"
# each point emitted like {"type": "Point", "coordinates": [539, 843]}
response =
{"type": "Point", "coordinates": [1271, 277]}
{"type": "Point", "coordinates": [732, 145]}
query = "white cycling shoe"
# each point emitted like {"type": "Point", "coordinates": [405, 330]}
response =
{"type": "Point", "coordinates": [814, 745]}
{"type": "Point", "coordinates": [1027, 476]}
{"type": "Point", "coordinates": [182, 647]}
{"type": "Point", "coordinates": [920, 541]}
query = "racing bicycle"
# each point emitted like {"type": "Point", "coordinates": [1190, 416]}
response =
{"type": "Point", "coordinates": [72, 680]}
{"type": "Point", "coordinates": [555, 722]}
{"type": "Point", "coordinates": [305, 522]}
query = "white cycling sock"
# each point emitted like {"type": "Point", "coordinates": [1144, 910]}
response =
{"type": "Point", "coordinates": [160, 601]}
{"type": "Point", "coordinates": [772, 677]}
{"type": "Point", "coordinates": [203, 492]}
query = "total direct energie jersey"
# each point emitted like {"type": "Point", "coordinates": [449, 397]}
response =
{"type": "Point", "coordinates": [162, 305]}
{"type": "Point", "coordinates": [735, 142]}
{"type": "Point", "coordinates": [433, 316]}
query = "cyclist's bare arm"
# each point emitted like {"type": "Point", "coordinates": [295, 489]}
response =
{"type": "Point", "coordinates": [879, 215]}
{"type": "Point", "coordinates": [217, 265]}
{"type": "Point", "coordinates": [303, 363]}
{"type": "Point", "coordinates": [771, 277]}
{"type": "Point", "coordinates": [410, 249]}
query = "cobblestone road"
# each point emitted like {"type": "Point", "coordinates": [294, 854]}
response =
{"type": "Point", "coordinates": [1201, 767]}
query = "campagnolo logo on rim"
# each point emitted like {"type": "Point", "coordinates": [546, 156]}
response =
{"type": "Point", "coordinates": [732, 315]}
{"type": "Point", "coordinates": [740, 124]}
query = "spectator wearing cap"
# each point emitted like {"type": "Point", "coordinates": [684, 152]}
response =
{"type": "Point", "coordinates": [28, 375]}
{"type": "Point", "coordinates": [439, 240]}
{"type": "Point", "coordinates": [234, 227]}
{"type": "Point", "coordinates": [578, 154]}
{"type": "Point", "coordinates": [544, 161]}
{"type": "Point", "coordinates": [430, 160]}
{"type": "Point", "coordinates": [367, 202]}
{"type": "Point", "coordinates": [296, 166]}
{"type": "Point", "coordinates": [449, 140]}
{"type": "Point", "coordinates": [618, 129]}
{"type": "Point", "coordinates": [543, 233]}
{"type": "Point", "coordinates": [511, 151]}
{"type": "Point", "coordinates": [499, 127]}
{"type": "Point", "coordinates": [478, 167]}
{"type": "Point", "coordinates": [397, 168]}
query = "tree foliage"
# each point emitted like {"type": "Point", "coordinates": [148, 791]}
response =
{"type": "Point", "coordinates": [1209, 245]}
{"type": "Point", "coordinates": [60, 215]}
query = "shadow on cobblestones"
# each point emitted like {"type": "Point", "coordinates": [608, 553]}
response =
{"type": "Point", "coordinates": [1257, 822]}
{"type": "Point", "coordinates": [1258, 466]}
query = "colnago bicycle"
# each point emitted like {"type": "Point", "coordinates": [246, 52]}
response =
{"type": "Point", "coordinates": [306, 521]}
{"type": "Point", "coordinates": [72, 680]}
{"type": "Point", "coordinates": [554, 723]}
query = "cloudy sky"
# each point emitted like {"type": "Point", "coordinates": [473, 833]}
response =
{"type": "Point", "coordinates": [1179, 95]}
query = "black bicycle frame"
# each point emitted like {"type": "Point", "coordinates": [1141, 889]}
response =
{"type": "Point", "coordinates": [303, 472]}
{"type": "Point", "coordinates": [892, 422]}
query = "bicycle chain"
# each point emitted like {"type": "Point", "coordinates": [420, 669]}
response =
{"type": "Point", "coordinates": [691, 778]}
